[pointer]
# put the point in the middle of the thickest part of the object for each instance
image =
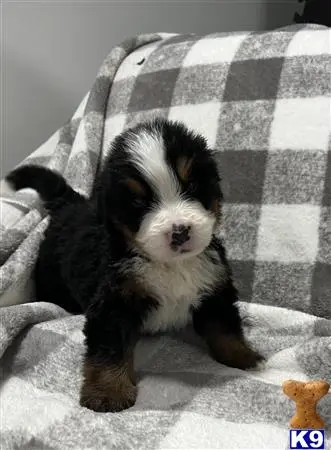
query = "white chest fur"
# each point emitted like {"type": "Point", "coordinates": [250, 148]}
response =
{"type": "Point", "coordinates": [177, 287]}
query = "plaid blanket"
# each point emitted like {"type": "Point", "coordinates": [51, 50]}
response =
{"type": "Point", "coordinates": [263, 101]}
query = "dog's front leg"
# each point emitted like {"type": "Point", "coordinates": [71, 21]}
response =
{"type": "Point", "coordinates": [108, 387]}
{"type": "Point", "coordinates": [112, 331]}
{"type": "Point", "coordinates": [218, 321]}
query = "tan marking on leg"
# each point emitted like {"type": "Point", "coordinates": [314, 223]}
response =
{"type": "Point", "coordinates": [232, 351]}
{"type": "Point", "coordinates": [109, 388]}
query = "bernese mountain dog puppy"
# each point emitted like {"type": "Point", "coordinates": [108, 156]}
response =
{"type": "Point", "coordinates": [141, 255]}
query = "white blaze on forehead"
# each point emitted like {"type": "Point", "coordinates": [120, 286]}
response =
{"type": "Point", "coordinates": [148, 153]}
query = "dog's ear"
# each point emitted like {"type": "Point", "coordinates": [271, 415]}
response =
{"type": "Point", "coordinates": [218, 176]}
{"type": "Point", "coordinates": [104, 195]}
{"type": "Point", "coordinates": [218, 199]}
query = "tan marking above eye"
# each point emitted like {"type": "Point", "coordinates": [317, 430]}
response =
{"type": "Point", "coordinates": [183, 166]}
{"type": "Point", "coordinates": [135, 186]}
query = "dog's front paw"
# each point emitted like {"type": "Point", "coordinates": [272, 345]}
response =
{"type": "Point", "coordinates": [111, 401]}
{"type": "Point", "coordinates": [108, 388]}
{"type": "Point", "coordinates": [248, 358]}
{"type": "Point", "coordinates": [235, 352]}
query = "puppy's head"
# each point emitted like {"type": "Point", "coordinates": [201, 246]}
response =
{"type": "Point", "coordinates": [162, 190]}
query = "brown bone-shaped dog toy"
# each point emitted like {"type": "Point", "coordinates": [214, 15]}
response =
{"type": "Point", "coordinates": [306, 396]}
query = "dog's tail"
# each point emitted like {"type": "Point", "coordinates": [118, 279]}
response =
{"type": "Point", "coordinates": [51, 186]}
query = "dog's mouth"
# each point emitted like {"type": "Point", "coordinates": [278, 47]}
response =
{"type": "Point", "coordinates": [182, 250]}
{"type": "Point", "coordinates": [178, 248]}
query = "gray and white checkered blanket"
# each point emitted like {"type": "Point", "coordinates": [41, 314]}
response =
{"type": "Point", "coordinates": [263, 101]}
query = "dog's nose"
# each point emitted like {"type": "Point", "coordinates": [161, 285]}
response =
{"type": "Point", "coordinates": [179, 235]}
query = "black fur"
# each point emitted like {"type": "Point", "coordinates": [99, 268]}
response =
{"type": "Point", "coordinates": [80, 260]}
{"type": "Point", "coordinates": [51, 186]}
{"type": "Point", "coordinates": [315, 11]}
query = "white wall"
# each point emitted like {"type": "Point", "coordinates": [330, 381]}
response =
{"type": "Point", "coordinates": [52, 50]}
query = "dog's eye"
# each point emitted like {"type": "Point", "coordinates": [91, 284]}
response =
{"type": "Point", "coordinates": [191, 186]}
{"type": "Point", "coordinates": [139, 203]}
